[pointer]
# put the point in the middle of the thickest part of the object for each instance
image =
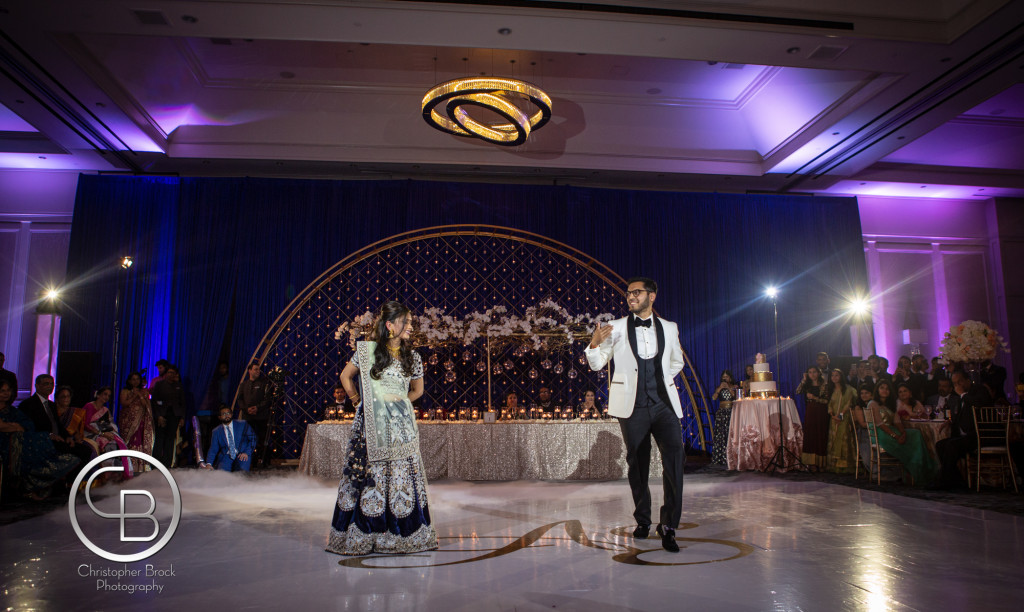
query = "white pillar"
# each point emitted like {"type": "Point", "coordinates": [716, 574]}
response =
{"type": "Point", "coordinates": [941, 297]}
{"type": "Point", "coordinates": [47, 340]}
{"type": "Point", "coordinates": [877, 300]}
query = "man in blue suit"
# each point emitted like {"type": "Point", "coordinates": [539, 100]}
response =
{"type": "Point", "coordinates": [231, 444]}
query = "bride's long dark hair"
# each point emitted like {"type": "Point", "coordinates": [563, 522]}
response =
{"type": "Point", "coordinates": [394, 312]}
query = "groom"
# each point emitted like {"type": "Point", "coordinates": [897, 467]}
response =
{"type": "Point", "coordinates": [643, 396]}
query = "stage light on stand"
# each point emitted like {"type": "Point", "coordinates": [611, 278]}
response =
{"type": "Point", "coordinates": [771, 292]}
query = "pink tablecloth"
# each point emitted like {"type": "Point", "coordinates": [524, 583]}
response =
{"type": "Point", "coordinates": [754, 433]}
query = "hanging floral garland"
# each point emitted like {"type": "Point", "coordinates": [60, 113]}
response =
{"type": "Point", "coordinates": [546, 326]}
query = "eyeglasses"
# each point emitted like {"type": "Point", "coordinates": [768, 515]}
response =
{"type": "Point", "coordinates": [636, 292]}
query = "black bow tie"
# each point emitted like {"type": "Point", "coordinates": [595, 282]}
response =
{"type": "Point", "coordinates": [642, 322]}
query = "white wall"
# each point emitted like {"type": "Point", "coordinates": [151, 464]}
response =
{"type": "Point", "coordinates": [931, 264]}
{"type": "Point", "coordinates": [35, 229]}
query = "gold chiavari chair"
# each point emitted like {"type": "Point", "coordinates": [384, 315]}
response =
{"type": "Point", "coordinates": [992, 428]}
{"type": "Point", "coordinates": [879, 457]}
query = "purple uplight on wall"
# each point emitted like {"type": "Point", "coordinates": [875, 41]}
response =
{"type": "Point", "coordinates": [170, 118]}
{"type": "Point", "coordinates": [916, 190]}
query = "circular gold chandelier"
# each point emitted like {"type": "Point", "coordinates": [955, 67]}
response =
{"type": "Point", "coordinates": [493, 93]}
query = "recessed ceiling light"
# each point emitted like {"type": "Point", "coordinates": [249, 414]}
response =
{"type": "Point", "coordinates": [900, 137]}
{"type": "Point", "coordinates": [793, 50]}
{"type": "Point", "coordinates": [654, 91]}
{"type": "Point", "coordinates": [42, 157]}
{"type": "Point", "coordinates": [945, 59]}
{"type": "Point", "coordinates": [189, 19]}
{"type": "Point", "coordinates": [835, 133]}
{"type": "Point", "coordinates": [287, 75]}
{"type": "Point", "coordinates": [505, 31]}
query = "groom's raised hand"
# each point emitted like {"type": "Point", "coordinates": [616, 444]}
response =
{"type": "Point", "coordinates": [602, 333]}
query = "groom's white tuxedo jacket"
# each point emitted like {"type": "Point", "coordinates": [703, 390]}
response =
{"type": "Point", "coordinates": [623, 386]}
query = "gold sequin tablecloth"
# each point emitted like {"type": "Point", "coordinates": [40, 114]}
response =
{"type": "Point", "coordinates": [499, 451]}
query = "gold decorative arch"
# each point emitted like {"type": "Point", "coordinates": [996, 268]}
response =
{"type": "Point", "coordinates": [460, 268]}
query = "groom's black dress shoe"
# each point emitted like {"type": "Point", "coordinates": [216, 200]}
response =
{"type": "Point", "coordinates": [642, 531]}
{"type": "Point", "coordinates": [668, 538]}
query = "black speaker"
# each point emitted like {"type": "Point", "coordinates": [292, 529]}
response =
{"type": "Point", "coordinates": [80, 371]}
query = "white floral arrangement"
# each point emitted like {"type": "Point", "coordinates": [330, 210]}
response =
{"type": "Point", "coordinates": [971, 341]}
{"type": "Point", "coordinates": [546, 325]}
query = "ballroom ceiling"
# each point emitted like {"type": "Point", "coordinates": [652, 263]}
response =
{"type": "Point", "coordinates": [911, 98]}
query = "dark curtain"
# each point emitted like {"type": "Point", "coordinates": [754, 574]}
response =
{"type": "Point", "coordinates": [118, 217]}
{"type": "Point", "coordinates": [204, 244]}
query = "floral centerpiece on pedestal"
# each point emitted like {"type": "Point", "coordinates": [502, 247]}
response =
{"type": "Point", "coordinates": [970, 343]}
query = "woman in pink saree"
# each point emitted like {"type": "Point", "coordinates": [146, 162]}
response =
{"type": "Point", "coordinates": [136, 418]}
{"type": "Point", "coordinates": [100, 430]}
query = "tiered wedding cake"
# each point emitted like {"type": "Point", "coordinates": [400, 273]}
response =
{"type": "Point", "coordinates": [762, 385]}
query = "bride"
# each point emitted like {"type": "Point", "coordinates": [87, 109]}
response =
{"type": "Point", "coordinates": [382, 498]}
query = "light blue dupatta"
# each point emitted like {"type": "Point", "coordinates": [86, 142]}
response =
{"type": "Point", "coordinates": [388, 415]}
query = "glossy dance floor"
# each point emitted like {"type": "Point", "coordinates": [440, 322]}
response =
{"type": "Point", "coordinates": [750, 542]}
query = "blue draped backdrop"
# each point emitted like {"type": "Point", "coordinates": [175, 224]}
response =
{"type": "Point", "coordinates": [220, 258]}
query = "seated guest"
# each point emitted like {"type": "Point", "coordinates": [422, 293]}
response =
{"type": "Point", "coordinates": [544, 401]}
{"type": "Point", "coordinates": [135, 419]}
{"type": "Point", "coordinates": [43, 414]}
{"type": "Point", "coordinates": [940, 401]}
{"type": "Point", "coordinates": [589, 409]}
{"type": "Point", "coordinates": [724, 394]}
{"type": "Point", "coordinates": [919, 376]}
{"type": "Point", "coordinates": [907, 445]}
{"type": "Point", "coordinates": [962, 438]}
{"type": "Point", "coordinates": [100, 430]}
{"type": "Point", "coordinates": [232, 444]}
{"type": "Point", "coordinates": [341, 407]}
{"type": "Point", "coordinates": [71, 419]}
{"type": "Point", "coordinates": [510, 409]}
{"type": "Point", "coordinates": [994, 377]}
{"type": "Point", "coordinates": [937, 373]}
{"type": "Point", "coordinates": [907, 405]}
{"type": "Point", "coordinates": [9, 376]}
{"type": "Point", "coordinates": [29, 455]}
